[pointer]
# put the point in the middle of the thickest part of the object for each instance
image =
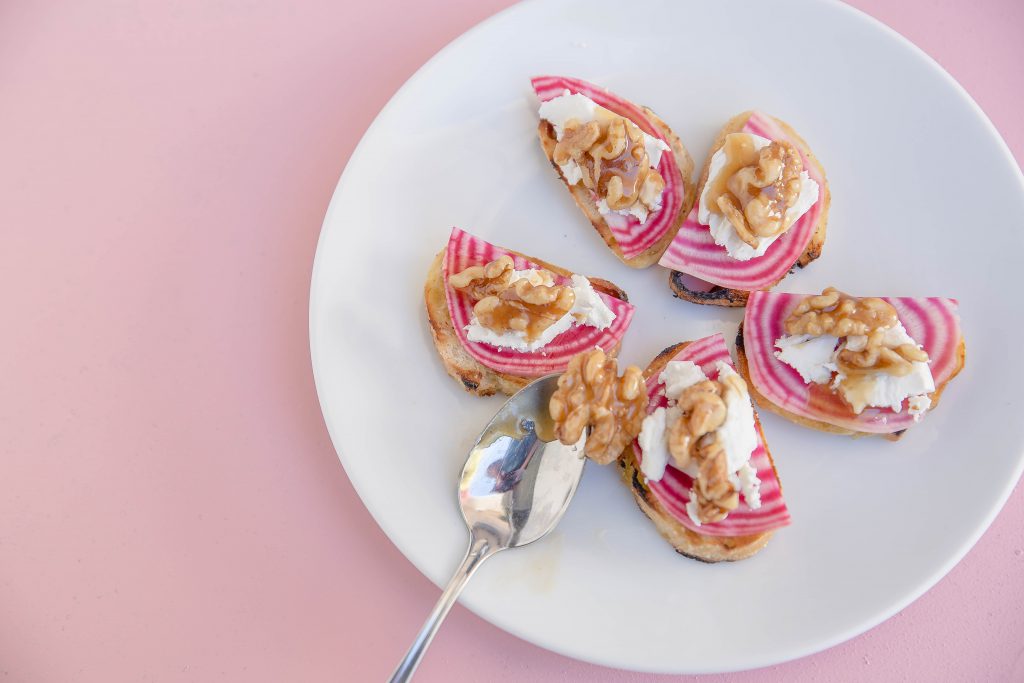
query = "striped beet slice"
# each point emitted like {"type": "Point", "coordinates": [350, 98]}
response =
{"type": "Point", "coordinates": [673, 490]}
{"type": "Point", "coordinates": [632, 236]}
{"type": "Point", "coordinates": [931, 322]}
{"type": "Point", "coordinates": [466, 250]}
{"type": "Point", "coordinates": [694, 252]}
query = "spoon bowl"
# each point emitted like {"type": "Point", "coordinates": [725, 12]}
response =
{"type": "Point", "coordinates": [518, 478]}
{"type": "Point", "coordinates": [516, 484]}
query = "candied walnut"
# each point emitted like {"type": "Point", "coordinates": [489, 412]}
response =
{"type": "Point", "coordinates": [713, 490]}
{"type": "Point", "coordinates": [701, 411]}
{"type": "Point", "coordinates": [483, 281]}
{"type": "Point", "coordinates": [651, 189]}
{"type": "Point", "coordinates": [577, 139]}
{"type": "Point", "coordinates": [839, 315]}
{"type": "Point", "coordinates": [622, 169]}
{"type": "Point", "coordinates": [693, 438]}
{"type": "Point", "coordinates": [525, 307]}
{"type": "Point", "coordinates": [529, 305]}
{"type": "Point", "coordinates": [873, 358]}
{"type": "Point", "coordinates": [617, 137]}
{"type": "Point", "coordinates": [756, 197]}
{"type": "Point", "coordinates": [591, 394]}
{"type": "Point", "coordinates": [613, 161]}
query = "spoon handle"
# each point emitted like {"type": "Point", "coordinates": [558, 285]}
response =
{"type": "Point", "coordinates": [479, 550]}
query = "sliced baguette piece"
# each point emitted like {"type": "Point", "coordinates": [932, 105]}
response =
{"type": "Point", "coordinates": [650, 256]}
{"type": "Point", "coordinates": [683, 285]}
{"type": "Point", "coordinates": [475, 377]}
{"type": "Point", "coordinates": [685, 541]}
{"type": "Point", "coordinates": [763, 402]}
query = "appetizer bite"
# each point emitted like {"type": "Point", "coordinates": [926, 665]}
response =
{"type": "Point", "coordinates": [761, 210]}
{"type": "Point", "coordinates": [688, 443]}
{"type": "Point", "coordinates": [628, 172]}
{"type": "Point", "coordinates": [849, 365]}
{"type": "Point", "coordinates": [500, 319]}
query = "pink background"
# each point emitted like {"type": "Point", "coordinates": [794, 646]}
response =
{"type": "Point", "coordinates": [171, 508]}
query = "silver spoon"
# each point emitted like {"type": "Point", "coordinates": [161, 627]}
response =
{"type": "Point", "coordinates": [516, 484]}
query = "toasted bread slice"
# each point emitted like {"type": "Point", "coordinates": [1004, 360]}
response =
{"type": "Point", "coordinates": [475, 377]}
{"type": "Point", "coordinates": [763, 402]}
{"type": "Point", "coordinates": [686, 542]}
{"type": "Point", "coordinates": [650, 256]}
{"type": "Point", "coordinates": [722, 296]}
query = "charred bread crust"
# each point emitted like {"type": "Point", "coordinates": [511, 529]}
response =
{"type": "Point", "coordinates": [686, 542]}
{"type": "Point", "coordinates": [475, 377]}
{"type": "Point", "coordinates": [650, 256]}
{"type": "Point", "coordinates": [716, 296]}
{"type": "Point", "coordinates": [722, 296]}
{"type": "Point", "coordinates": [766, 404]}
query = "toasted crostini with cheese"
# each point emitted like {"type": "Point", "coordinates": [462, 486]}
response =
{"type": "Point", "coordinates": [628, 172]}
{"type": "Point", "coordinates": [850, 365]}
{"type": "Point", "coordinates": [500, 319]}
{"type": "Point", "coordinates": [761, 210]}
{"type": "Point", "coordinates": [687, 441]}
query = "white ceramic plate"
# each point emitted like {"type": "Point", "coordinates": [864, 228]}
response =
{"type": "Point", "coordinates": [926, 201]}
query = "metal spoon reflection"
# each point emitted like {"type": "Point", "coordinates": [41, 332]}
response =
{"type": "Point", "coordinates": [516, 484]}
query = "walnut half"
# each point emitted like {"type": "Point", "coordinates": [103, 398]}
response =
{"type": "Point", "coordinates": [759, 195]}
{"type": "Point", "coordinates": [577, 139]}
{"type": "Point", "coordinates": [591, 395]}
{"type": "Point", "coordinates": [713, 492]}
{"type": "Point", "coordinates": [702, 411]}
{"type": "Point", "coordinates": [483, 281]}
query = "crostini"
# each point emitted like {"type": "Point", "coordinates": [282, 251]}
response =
{"type": "Point", "coordinates": [628, 172]}
{"type": "Point", "coordinates": [849, 365]}
{"type": "Point", "coordinates": [762, 209]}
{"type": "Point", "coordinates": [692, 450]}
{"type": "Point", "coordinates": [500, 319]}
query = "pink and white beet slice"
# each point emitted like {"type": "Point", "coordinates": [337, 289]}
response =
{"type": "Point", "coordinates": [932, 322]}
{"type": "Point", "coordinates": [632, 236]}
{"type": "Point", "coordinates": [673, 490]}
{"type": "Point", "coordinates": [465, 250]}
{"type": "Point", "coordinates": [693, 250]}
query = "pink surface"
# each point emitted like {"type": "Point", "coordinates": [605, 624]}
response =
{"type": "Point", "coordinates": [171, 508]}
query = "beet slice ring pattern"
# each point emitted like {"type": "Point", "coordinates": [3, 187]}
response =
{"type": "Point", "coordinates": [694, 252]}
{"type": "Point", "coordinates": [632, 236]}
{"type": "Point", "coordinates": [673, 490]}
{"type": "Point", "coordinates": [465, 250]}
{"type": "Point", "coordinates": [931, 322]}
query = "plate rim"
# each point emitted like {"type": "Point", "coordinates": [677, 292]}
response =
{"type": "Point", "coordinates": [782, 656]}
